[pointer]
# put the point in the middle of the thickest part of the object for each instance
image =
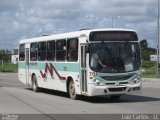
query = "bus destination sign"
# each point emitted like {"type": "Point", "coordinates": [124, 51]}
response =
{"type": "Point", "coordinates": [113, 36]}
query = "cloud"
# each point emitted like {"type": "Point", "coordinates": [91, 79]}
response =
{"type": "Point", "coordinates": [23, 18]}
{"type": "Point", "coordinates": [7, 5]}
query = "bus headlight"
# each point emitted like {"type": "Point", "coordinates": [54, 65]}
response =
{"type": "Point", "coordinates": [136, 80]}
{"type": "Point", "coordinates": [97, 83]}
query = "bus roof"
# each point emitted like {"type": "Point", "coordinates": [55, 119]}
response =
{"type": "Point", "coordinates": [69, 35]}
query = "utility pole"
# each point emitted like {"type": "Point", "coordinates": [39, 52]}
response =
{"type": "Point", "coordinates": [157, 68]}
{"type": "Point", "coordinates": [2, 54]}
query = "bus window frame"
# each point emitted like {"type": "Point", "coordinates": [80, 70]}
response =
{"type": "Point", "coordinates": [72, 49]}
{"type": "Point", "coordinates": [51, 51]}
{"type": "Point", "coordinates": [42, 50]}
{"type": "Point", "coordinates": [36, 55]}
{"type": "Point", "coordinates": [60, 50]}
{"type": "Point", "coordinates": [23, 52]}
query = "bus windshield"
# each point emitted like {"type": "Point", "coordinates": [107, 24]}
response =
{"type": "Point", "coordinates": [115, 57]}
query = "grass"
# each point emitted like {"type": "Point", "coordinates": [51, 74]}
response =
{"type": "Point", "coordinates": [149, 69]}
{"type": "Point", "coordinates": [8, 67]}
{"type": "Point", "coordinates": [149, 73]}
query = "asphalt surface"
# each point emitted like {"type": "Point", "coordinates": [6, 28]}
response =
{"type": "Point", "coordinates": [16, 98]}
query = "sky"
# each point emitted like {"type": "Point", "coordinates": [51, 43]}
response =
{"type": "Point", "coordinates": [20, 19]}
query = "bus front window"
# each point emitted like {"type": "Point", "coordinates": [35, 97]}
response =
{"type": "Point", "coordinates": [114, 57]}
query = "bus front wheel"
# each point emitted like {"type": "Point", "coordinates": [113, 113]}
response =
{"type": "Point", "coordinates": [35, 84]}
{"type": "Point", "coordinates": [72, 92]}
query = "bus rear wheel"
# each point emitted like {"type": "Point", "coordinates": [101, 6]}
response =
{"type": "Point", "coordinates": [35, 84]}
{"type": "Point", "coordinates": [71, 90]}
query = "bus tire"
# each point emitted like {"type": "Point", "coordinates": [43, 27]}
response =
{"type": "Point", "coordinates": [115, 97]}
{"type": "Point", "coordinates": [71, 90]}
{"type": "Point", "coordinates": [35, 84]}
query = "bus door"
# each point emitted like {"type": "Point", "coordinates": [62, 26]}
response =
{"type": "Point", "coordinates": [27, 65]}
{"type": "Point", "coordinates": [83, 72]}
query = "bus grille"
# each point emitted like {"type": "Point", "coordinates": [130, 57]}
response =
{"type": "Point", "coordinates": [117, 78]}
{"type": "Point", "coordinates": [117, 89]}
{"type": "Point", "coordinates": [110, 83]}
{"type": "Point", "coordinates": [121, 83]}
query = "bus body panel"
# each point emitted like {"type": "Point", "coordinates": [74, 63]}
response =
{"type": "Point", "coordinates": [51, 77]}
{"type": "Point", "coordinates": [55, 74]}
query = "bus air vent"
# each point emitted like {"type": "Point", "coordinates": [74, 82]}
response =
{"type": "Point", "coordinates": [110, 83]}
{"type": "Point", "coordinates": [117, 89]}
{"type": "Point", "coordinates": [123, 83]}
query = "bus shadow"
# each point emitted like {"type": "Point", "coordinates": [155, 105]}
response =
{"type": "Point", "coordinates": [102, 99]}
{"type": "Point", "coordinates": [123, 99]}
{"type": "Point", "coordinates": [50, 92]}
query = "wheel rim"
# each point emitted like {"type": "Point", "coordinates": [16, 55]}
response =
{"type": "Point", "coordinates": [72, 89]}
{"type": "Point", "coordinates": [34, 85]}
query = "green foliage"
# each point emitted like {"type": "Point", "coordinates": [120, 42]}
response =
{"type": "Point", "coordinates": [149, 69]}
{"type": "Point", "coordinates": [4, 56]}
{"type": "Point", "coordinates": [148, 64]}
{"type": "Point", "coordinates": [145, 54]}
{"type": "Point", "coordinates": [150, 73]}
{"type": "Point", "coordinates": [146, 51]}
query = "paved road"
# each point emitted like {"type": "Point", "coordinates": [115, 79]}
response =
{"type": "Point", "coordinates": [15, 98]}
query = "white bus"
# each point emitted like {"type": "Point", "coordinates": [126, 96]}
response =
{"type": "Point", "coordinates": [87, 62]}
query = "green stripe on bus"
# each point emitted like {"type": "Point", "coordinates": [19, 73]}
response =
{"type": "Point", "coordinates": [72, 67]}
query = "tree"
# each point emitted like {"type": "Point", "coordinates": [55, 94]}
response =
{"type": "Point", "coordinates": [145, 54]}
{"type": "Point", "coordinates": [146, 51]}
{"type": "Point", "coordinates": [4, 55]}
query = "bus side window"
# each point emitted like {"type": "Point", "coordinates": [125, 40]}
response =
{"type": "Point", "coordinates": [72, 49]}
{"type": "Point", "coordinates": [51, 50]}
{"type": "Point", "coordinates": [33, 52]}
{"type": "Point", "coordinates": [41, 51]}
{"type": "Point", "coordinates": [61, 50]}
{"type": "Point", "coordinates": [22, 52]}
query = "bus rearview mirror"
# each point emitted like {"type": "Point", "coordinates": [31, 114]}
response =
{"type": "Point", "coordinates": [87, 48]}
{"type": "Point", "coordinates": [143, 44]}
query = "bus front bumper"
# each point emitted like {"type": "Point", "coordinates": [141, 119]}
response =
{"type": "Point", "coordinates": [113, 90]}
